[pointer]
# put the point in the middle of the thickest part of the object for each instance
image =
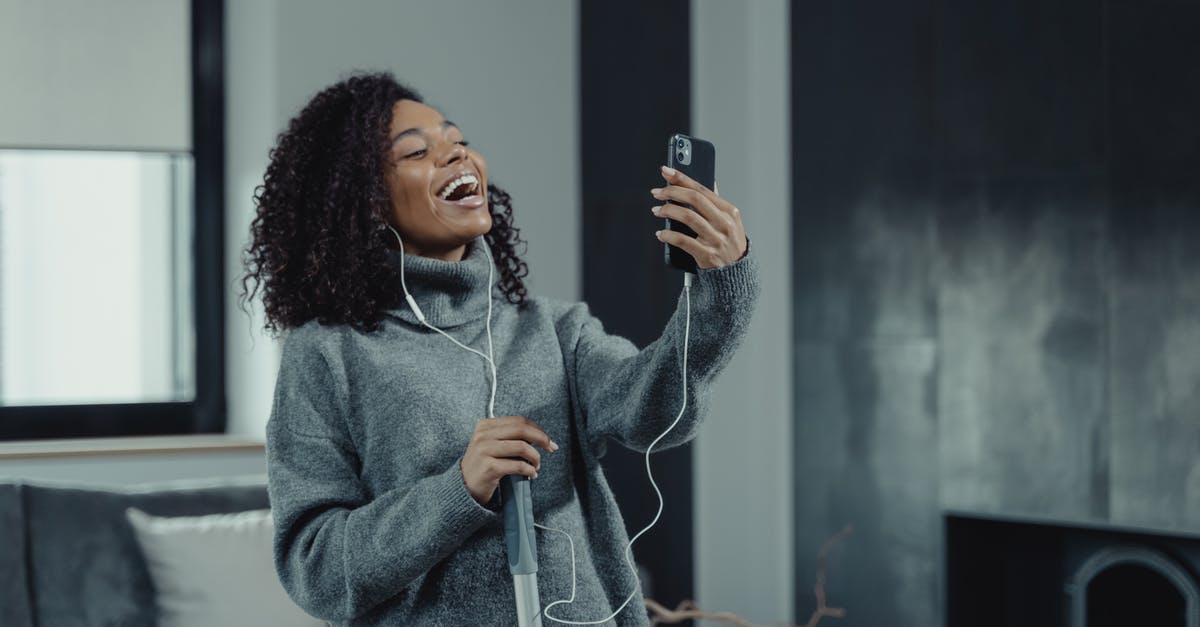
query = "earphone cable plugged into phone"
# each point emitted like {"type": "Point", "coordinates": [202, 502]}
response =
{"type": "Point", "coordinates": [687, 325]}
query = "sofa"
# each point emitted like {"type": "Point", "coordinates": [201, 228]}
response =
{"type": "Point", "coordinates": [72, 559]}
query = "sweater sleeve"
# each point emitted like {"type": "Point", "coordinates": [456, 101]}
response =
{"type": "Point", "coordinates": [633, 396]}
{"type": "Point", "coordinates": [338, 551]}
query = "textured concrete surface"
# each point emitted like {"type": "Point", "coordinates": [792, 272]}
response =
{"type": "Point", "coordinates": [1022, 308]}
{"type": "Point", "coordinates": [997, 279]}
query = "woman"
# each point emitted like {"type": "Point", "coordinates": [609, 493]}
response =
{"type": "Point", "coordinates": [383, 463]}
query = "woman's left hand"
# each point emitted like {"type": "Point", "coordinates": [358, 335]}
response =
{"type": "Point", "coordinates": [720, 237]}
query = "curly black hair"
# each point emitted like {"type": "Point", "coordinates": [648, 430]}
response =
{"type": "Point", "coordinates": [319, 241]}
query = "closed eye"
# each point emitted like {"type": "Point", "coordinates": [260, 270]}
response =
{"type": "Point", "coordinates": [417, 154]}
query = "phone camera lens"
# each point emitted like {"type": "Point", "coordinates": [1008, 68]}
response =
{"type": "Point", "coordinates": [680, 143]}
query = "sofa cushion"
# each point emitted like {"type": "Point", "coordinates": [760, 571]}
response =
{"type": "Point", "coordinates": [14, 593]}
{"type": "Point", "coordinates": [215, 569]}
{"type": "Point", "coordinates": [86, 567]}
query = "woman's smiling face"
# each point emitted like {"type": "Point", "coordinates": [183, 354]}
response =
{"type": "Point", "coordinates": [438, 186]}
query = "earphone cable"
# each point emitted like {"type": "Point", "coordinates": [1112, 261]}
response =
{"type": "Point", "coordinates": [687, 324]}
{"type": "Point", "coordinates": [490, 357]}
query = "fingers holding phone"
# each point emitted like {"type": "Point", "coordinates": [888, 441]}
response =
{"type": "Point", "coordinates": [702, 230]}
{"type": "Point", "coordinates": [717, 236]}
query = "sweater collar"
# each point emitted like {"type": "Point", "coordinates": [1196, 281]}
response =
{"type": "Point", "coordinates": [450, 293]}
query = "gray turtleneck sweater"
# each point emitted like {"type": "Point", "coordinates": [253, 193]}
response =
{"type": "Point", "coordinates": [373, 521]}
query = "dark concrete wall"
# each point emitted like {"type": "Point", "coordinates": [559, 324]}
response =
{"type": "Point", "coordinates": [997, 278]}
{"type": "Point", "coordinates": [630, 106]}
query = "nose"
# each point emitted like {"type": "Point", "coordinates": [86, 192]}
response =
{"type": "Point", "coordinates": [455, 154]}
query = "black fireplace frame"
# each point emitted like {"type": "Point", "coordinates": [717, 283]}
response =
{"type": "Point", "coordinates": [1009, 571]}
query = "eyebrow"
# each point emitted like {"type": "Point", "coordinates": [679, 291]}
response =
{"type": "Point", "coordinates": [446, 124]}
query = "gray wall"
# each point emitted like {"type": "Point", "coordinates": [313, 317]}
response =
{"type": "Point", "coordinates": [996, 300]}
{"type": "Point", "coordinates": [742, 457]}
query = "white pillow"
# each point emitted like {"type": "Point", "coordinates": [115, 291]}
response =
{"type": "Point", "coordinates": [215, 570]}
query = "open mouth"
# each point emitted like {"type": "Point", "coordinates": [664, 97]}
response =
{"type": "Point", "coordinates": [465, 186]}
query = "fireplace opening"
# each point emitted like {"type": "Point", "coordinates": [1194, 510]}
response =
{"type": "Point", "coordinates": [1133, 585]}
{"type": "Point", "coordinates": [1155, 600]}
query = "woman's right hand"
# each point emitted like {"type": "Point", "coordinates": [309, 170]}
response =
{"type": "Point", "coordinates": [500, 447]}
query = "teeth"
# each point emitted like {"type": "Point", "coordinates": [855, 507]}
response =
{"type": "Point", "coordinates": [466, 179]}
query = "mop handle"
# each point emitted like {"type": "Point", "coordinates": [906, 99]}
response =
{"type": "Point", "coordinates": [518, 524]}
{"type": "Point", "coordinates": [522, 548]}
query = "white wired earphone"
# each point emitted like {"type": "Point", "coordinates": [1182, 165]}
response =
{"type": "Point", "coordinates": [490, 359]}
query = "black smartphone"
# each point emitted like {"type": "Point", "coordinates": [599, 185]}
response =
{"type": "Point", "coordinates": [697, 159]}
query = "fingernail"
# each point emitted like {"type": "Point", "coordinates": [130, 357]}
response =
{"type": "Point", "coordinates": [535, 475]}
{"type": "Point", "coordinates": [553, 446]}
{"type": "Point", "coordinates": [668, 171]}
{"type": "Point", "coordinates": [656, 192]}
{"type": "Point", "coordinates": [658, 234]}
{"type": "Point", "coordinates": [655, 210]}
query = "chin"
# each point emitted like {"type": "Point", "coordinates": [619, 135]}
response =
{"type": "Point", "coordinates": [482, 228]}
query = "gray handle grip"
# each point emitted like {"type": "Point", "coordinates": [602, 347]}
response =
{"type": "Point", "coordinates": [519, 535]}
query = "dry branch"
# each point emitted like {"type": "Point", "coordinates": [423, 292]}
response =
{"type": "Point", "coordinates": [687, 610]}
